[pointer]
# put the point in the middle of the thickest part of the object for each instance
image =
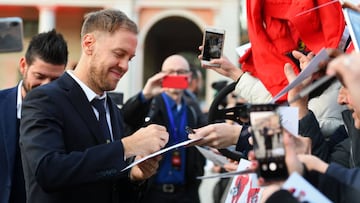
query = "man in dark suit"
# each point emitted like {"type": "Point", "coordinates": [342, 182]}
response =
{"type": "Point", "coordinates": [65, 153]}
{"type": "Point", "coordinates": [175, 180]}
{"type": "Point", "coordinates": [45, 60]}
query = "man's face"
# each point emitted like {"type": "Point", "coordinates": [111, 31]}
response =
{"type": "Point", "coordinates": [38, 73]}
{"type": "Point", "coordinates": [342, 96]}
{"type": "Point", "coordinates": [176, 66]}
{"type": "Point", "coordinates": [345, 98]}
{"type": "Point", "coordinates": [109, 60]}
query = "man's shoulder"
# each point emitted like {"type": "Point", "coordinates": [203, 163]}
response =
{"type": "Point", "coordinates": [54, 87]}
{"type": "Point", "coordinates": [8, 90]}
{"type": "Point", "coordinates": [5, 92]}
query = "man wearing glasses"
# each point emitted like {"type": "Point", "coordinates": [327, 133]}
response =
{"type": "Point", "coordinates": [175, 180]}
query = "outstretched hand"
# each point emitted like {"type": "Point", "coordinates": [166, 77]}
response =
{"type": "Point", "coordinates": [225, 67]}
{"type": "Point", "coordinates": [218, 135]}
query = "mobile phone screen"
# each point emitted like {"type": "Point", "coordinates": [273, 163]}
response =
{"type": "Point", "coordinates": [213, 44]}
{"type": "Point", "coordinates": [11, 34]}
{"type": "Point", "coordinates": [175, 81]}
{"type": "Point", "coordinates": [268, 141]}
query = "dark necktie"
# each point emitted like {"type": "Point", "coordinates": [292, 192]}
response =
{"type": "Point", "coordinates": [99, 105]}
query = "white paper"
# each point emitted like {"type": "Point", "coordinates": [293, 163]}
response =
{"type": "Point", "coordinates": [311, 68]}
{"type": "Point", "coordinates": [241, 50]}
{"type": "Point", "coordinates": [356, 2]}
{"type": "Point", "coordinates": [289, 117]}
{"type": "Point", "coordinates": [217, 159]}
{"type": "Point", "coordinates": [303, 190]}
{"type": "Point", "coordinates": [181, 144]}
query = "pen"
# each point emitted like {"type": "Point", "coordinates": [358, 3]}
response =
{"type": "Point", "coordinates": [189, 130]}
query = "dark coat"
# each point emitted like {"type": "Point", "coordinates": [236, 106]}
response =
{"type": "Point", "coordinates": [65, 157]}
{"type": "Point", "coordinates": [340, 183]}
{"type": "Point", "coordinates": [11, 173]}
{"type": "Point", "coordinates": [135, 111]}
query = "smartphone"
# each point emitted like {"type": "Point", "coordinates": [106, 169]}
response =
{"type": "Point", "coordinates": [175, 81]}
{"type": "Point", "coordinates": [267, 135]}
{"type": "Point", "coordinates": [213, 43]}
{"type": "Point", "coordinates": [11, 34]}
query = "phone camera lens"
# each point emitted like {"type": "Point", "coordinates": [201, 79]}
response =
{"type": "Point", "coordinates": [14, 24]}
{"type": "Point", "coordinates": [272, 166]}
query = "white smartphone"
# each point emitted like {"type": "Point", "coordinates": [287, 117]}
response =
{"type": "Point", "coordinates": [213, 43]}
{"type": "Point", "coordinates": [11, 34]}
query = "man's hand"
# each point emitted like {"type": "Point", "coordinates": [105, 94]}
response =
{"type": "Point", "coordinates": [226, 68]}
{"type": "Point", "coordinates": [218, 135]}
{"type": "Point", "coordinates": [290, 76]}
{"type": "Point", "coordinates": [145, 169]}
{"type": "Point", "coordinates": [302, 145]}
{"type": "Point", "coordinates": [153, 86]}
{"type": "Point", "coordinates": [313, 163]}
{"type": "Point", "coordinates": [145, 141]}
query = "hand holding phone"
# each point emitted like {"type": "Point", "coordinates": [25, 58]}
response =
{"type": "Point", "coordinates": [175, 81]}
{"type": "Point", "coordinates": [213, 43]}
{"type": "Point", "coordinates": [268, 145]}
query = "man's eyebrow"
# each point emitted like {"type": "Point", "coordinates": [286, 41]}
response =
{"type": "Point", "coordinates": [39, 73]}
{"type": "Point", "coordinates": [119, 49]}
{"type": "Point", "coordinates": [123, 50]}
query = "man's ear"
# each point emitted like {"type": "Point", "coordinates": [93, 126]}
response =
{"type": "Point", "coordinates": [22, 66]}
{"type": "Point", "coordinates": [88, 43]}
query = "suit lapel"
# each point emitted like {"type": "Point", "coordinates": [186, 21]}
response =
{"type": "Point", "coordinates": [79, 100]}
{"type": "Point", "coordinates": [116, 120]}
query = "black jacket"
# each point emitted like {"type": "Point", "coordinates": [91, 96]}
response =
{"type": "Point", "coordinates": [135, 111]}
{"type": "Point", "coordinates": [346, 153]}
{"type": "Point", "coordinates": [64, 155]}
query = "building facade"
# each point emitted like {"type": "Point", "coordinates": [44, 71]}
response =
{"type": "Point", "coordinates": [166, 27]}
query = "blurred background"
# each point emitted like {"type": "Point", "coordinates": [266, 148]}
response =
{"type": "Point", "coordinates": [166, 27]}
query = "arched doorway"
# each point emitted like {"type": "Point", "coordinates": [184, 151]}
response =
{"type": "Point", "coordinates": [170, 35]}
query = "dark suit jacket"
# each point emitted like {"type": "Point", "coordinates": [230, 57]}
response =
{"type": "Point", "coordinates": [135, 112]}
{"type": "Point", "coordinates": [65, 157]}
{"type": "Point", "coordinates": [11, 176]}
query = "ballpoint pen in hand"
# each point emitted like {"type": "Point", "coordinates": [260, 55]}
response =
{"type": "Point", "coordinates": [189, 130]}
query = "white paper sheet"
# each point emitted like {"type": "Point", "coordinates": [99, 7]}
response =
{"type": "Point", "coordinates": [308, 71]}
{"type": "Point", "coordinates": [217, 159]}
{"type": "Point", "coordinates": [181, 144]}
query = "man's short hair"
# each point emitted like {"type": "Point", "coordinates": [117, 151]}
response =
{"type": "Point", "coordinates": [49, 47]}
{"type": "Point", "coordinates": [107, 20]}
